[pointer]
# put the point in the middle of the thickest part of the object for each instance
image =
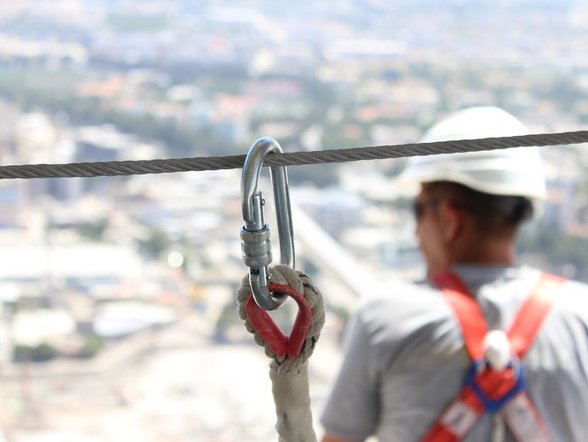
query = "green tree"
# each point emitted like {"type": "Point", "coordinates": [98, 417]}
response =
{"type": "Point", "coordinates": [155, 244]}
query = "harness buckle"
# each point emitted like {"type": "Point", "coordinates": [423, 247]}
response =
{"type": "Point", "coordinates": [494, 405]}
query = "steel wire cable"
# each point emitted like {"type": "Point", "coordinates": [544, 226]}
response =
{"type": "Point", "coordinates": [158, 166]}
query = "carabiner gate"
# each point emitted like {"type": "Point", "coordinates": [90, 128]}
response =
{"type": "Point", "coordinates": [255, 234]}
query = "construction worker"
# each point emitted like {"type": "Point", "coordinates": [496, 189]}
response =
{"type": "Point", "coordinates": [484, 349]}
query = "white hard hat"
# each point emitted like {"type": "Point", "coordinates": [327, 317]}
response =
{"type": "Point", "coordinates": [514, 172]}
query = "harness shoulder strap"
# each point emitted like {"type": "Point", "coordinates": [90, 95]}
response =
{"type": "Point", "coordinates": [461, 415]}
{"type": "Point", "coordinates": [532, 313]}
{"type": "Point", "coordinates": [467, 311]}
{"type": "Point", "coordinates": [472, 322]}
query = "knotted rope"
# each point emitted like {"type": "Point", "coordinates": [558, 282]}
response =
{"type": "Point", "coordinates": [289, 366]}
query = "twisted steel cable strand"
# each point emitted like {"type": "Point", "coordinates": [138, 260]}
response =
{"type": "Point", "coordinates": [158, 166]}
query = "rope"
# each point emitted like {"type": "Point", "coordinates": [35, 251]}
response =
{"type": "Point", "coordinates": [289, 376]}
{"type": "Point", "coordinates": [141, 167]}
{"type": "Point", "coordinates": [281, 274]}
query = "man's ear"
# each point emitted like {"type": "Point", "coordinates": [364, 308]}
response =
{"type": "Point", "coordinates": [451, 221]}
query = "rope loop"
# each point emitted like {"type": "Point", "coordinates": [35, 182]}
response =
{"type": "Point", "coordinates": [288, 353]}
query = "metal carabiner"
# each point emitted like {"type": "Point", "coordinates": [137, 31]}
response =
{"type": "Point", "coordinates": [255, 239]}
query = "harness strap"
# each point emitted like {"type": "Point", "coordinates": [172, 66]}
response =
{"type": "Point", "coordinates": [467, 311]}
{"type": "Point", "coordinates": [524, 421]}
{"type": "Point", "coordinates": [532, 313]}
{"type": "Point", "coordinates": [486, 389]}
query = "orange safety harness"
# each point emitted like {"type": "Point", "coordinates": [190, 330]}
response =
{"type": "Point", "coordinates": [487, 389]}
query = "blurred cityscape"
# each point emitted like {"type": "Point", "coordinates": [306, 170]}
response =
{"type": "Point", "coordinates": [117, 295]}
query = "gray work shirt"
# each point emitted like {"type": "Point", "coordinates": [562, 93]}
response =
{"type": "Point", "coordinates": [405, 359]}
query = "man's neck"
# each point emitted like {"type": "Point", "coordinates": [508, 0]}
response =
{"type": "Point", "coordinates": [486, 251]}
